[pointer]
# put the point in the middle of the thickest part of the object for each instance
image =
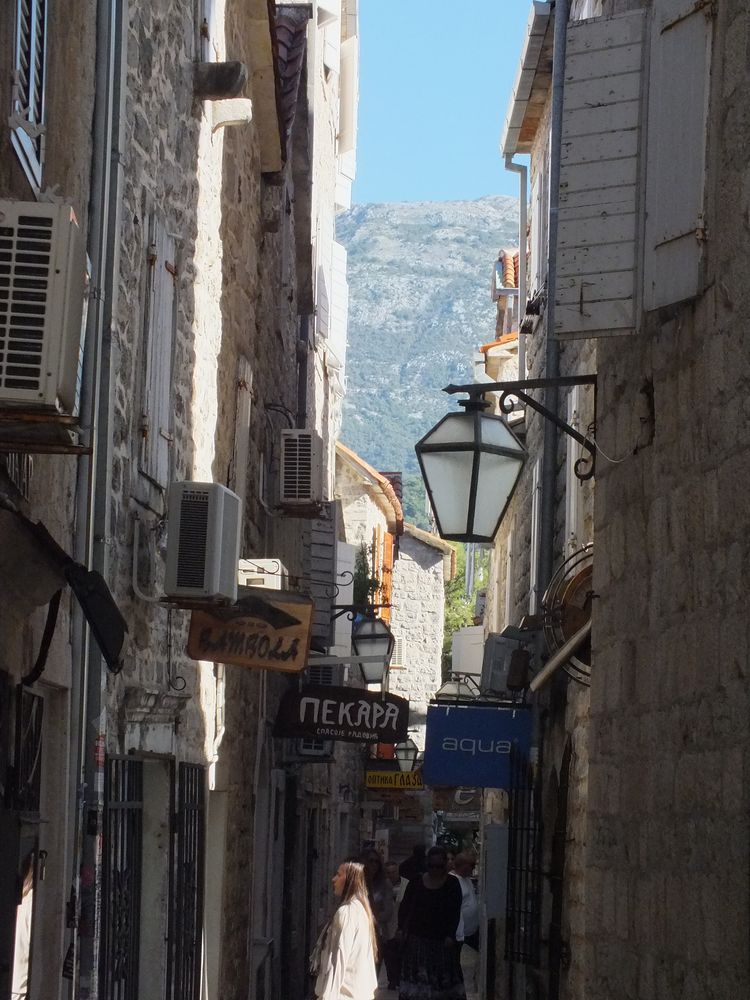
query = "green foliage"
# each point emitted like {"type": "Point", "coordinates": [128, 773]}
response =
{"type": "Point", "coordinates": [414, 501]}
{"type": "Point", "coordinates": [459, 608]}
{"type": "Point", "coordinates": [365, 585]}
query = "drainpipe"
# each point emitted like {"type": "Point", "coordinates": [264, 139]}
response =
{"type": "Point", "coordinates": [522, 170]}
{"type": "Point", "coordinates": [93, 483]}
{"type": "Point", "coordinates": [552, 355]}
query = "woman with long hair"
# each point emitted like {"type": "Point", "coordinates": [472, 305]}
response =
{"type": "Point", "coordinates": [428, 919]}
{"type": "Point", "coordinates": [343, 959]}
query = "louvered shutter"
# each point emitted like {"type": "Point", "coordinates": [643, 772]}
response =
{"type": "Point", "coordinates": [156, 424]}
{"type": "Point", "coordinates": [597, 233]}
{"type": "Point", "coordinates": [680, 61]}
{"type": "Point", "coordinates": [27, 114]}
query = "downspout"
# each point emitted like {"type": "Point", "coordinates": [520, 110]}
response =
{"type": "Point", "coordinates": [552, 354]}
{"type": "Point", "coordinates": [522, 170]}
{"type": "Point", "coordinates": [94, 477]}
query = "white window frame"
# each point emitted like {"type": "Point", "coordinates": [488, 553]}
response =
{"type": "Point", "coordinates": [27, 118]}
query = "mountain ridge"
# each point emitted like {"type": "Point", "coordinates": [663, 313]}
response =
{"type": "Point", "coordinates": [419, 305]}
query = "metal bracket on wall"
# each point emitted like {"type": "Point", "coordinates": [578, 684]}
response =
{"type": "Point", "coordinates": [508, 391]}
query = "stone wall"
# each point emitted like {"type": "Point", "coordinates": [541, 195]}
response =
{"type": "Point", "coordinates": [417, 618]}
{"type": "Point", "coordinates": [667, 905]}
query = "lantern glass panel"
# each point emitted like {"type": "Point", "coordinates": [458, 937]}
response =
{"type": "Point", "coordinates": [448, 476]}
{"type": "Point", "coordinates": [497, 477]}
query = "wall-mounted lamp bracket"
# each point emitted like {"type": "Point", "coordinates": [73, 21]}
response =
{"type": "Point", "coordinates": [352, 610]}
{"type": "Point", "coordinates": [585, 466]}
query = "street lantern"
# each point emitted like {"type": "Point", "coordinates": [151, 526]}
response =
{"type": "Point", "coordinates": [371, 637]}
{"type": "Point", "coordinates": [457, 687]}
{"type": "Point", "coordinates": [470, 464]}
{"type": "Point", "coordinates": [406, 754]}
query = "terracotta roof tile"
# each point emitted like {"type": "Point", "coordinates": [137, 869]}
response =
{"type": "Point", "coordinates": [291, 41]}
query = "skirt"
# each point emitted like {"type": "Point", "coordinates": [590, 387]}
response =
{"type": "Point", "coordinates": [430, 970]}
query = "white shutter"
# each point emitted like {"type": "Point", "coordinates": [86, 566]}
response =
{"type": "Point", "coordinates": [243, 403]}
{"type": "Point", "coordinates": [331, 21]}
{"type": "Point", "coordinates": [509, 563]}
{"type": "Point", "coordinates": [156, 424]}
{"type": "Point", "coordinates": [677, 121]}
{"type": "Point", "coordinates": [537, 254]}
{"type": "Point", "coordinates": [348, 95]}
{"type": "Point", "coordinates": [399, 657]}
{"type": "Point", "coordinates": [346, 557]}
{"type": "Point", "coordinates": [573, 486]}
{"type": "Point", "coordinates": [28, 98]}
{"type": "Point", "coordinates": [339, 304]}
{"type": "Point", "coordinates": [597, 233]}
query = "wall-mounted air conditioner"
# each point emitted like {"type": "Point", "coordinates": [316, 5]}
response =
{"type": "Point", "coordinates": [203, 546]}
{"type": "Point", "coordinates": [301, 468]}
{"type": "Point", "coordinates": [43, 285]}
{"type": "Point", "coordinates": [269, 573]}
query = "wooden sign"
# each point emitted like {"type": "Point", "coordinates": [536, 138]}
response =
{"type": "Point", "coordinates": [266, 630]}
{"type": "Point", "coordinates": [342, 713]}
{"type": "Point", "coordinates": [394, 779]}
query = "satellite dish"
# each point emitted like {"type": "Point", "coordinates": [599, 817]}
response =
{"type": "Point", "coordinates": [566, 608]}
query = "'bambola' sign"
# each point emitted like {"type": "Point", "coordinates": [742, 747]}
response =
{"type": "Point", "coordinates": [342, 713]}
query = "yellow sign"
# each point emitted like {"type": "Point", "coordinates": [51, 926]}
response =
{"type": "Point", "coordinates": [265, 630]}
{"type": "Point", "coordinates": [394, 779]}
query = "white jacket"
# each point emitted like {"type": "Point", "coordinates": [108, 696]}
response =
{"type": "Point", "coordinates": [347, 966]}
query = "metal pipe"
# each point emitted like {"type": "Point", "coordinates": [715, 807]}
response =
{"type": "Point", "coordinates": [522, 170]}
{"type": "Point", "coordinates": [552, 352]}
{"type": "Point", "coordinates": [95, 473]}
{"type": "Point", "coordinates": [564, 653]}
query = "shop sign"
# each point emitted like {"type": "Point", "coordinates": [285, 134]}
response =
{"type": "Point", "coordinates": [394, 779]}
{"type": "Point", "coordinates": [261, 631]}
{"type": "Point", "coordinates": [472, 744]}
{"type": "Point", "coordinates": [342, 713]}
{"type": "Point", "coordinates": [457, 800]}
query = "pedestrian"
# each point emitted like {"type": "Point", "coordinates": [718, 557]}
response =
{"type": "Point", "coordinates": [380, 892]}
{"type": "Point", "coordinates": [343, 959]}
{"type": "Point", "coordinates": [392, 945]}
{"type": "Point", "coordinates": [463, 866]}
{"type": "Point", "coordinates": [428, 920]}
{"type": "Point", "coordinates": [414, 865]}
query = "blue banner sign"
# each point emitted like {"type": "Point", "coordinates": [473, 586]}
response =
{"type": "Point", "coordinates": [472, 744]}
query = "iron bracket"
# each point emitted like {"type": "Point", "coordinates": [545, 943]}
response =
{"type": "Point", "coordinates": [585, 467]}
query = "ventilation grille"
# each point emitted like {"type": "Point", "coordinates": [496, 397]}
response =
{"type": "Point", "coordinates": [301, 471]}
{"type": "Point", "coordinates": [25, 272]}
{"type": "Point", "coordinates": [191, 553]}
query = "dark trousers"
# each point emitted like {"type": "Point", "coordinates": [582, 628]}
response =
{"type": "Point", "coordinates": [392, 959]}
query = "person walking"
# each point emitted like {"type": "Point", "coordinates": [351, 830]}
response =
{"type": "Point", "coordinates": [343, 960]}
{"type": "Point", "coordinates": [380, 892]}
{"type": "Point", "coordinates": [392, 945]}
{"type": "Point", "coordinates": [428, 920]}
{"type": "Point", "coordinates": [415, 864]}
{"type": "Point", "coordinates": [463, 866]}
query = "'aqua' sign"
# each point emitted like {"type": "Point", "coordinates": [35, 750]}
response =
{"type": "Point", "coordinates": [472, 744]}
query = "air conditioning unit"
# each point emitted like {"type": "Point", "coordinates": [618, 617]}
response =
{"type": "Point", "coordinates": [496, 664]}
{"type": "Point", "coordinates": [269, 573]}
{"type": "Point", "coordinates": [301, 468]}
{"type": "Point", "coordinates": [203, 546]}
{"type": "Point", "coordinates": [43, 286]}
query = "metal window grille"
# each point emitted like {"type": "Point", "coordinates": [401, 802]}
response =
{"type": "Point", "coordinates": [27, 118]}
{"type": "Point", "coordinates": [28, 762]}
{"type": "Point", "coordinates": [19, 468]}
{"type": "Point", "coordinates": [121, 903]}
{"type": "Point", "coordinates": [524, 865]}
{"type": "Point", "coordinates": [186, 885]}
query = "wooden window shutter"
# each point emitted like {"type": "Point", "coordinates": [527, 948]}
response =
{"type": "Point", "coordinates": [595, 292]}
{"type": "Point", "coordinates": [386, 595]}
{"type": "Point", "coordinates": [157, 412]}
{"type": "Point", "coordinates": [678, 97]}
{"type": "Point", "coordinates": [27, 113]}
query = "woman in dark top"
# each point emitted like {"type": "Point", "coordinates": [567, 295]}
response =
{"type": "Point", "coordinates": [427, 921]}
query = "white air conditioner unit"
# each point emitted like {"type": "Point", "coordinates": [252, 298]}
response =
{"type": "Point", "coordinates": [43, 286]}
{"type": "Point", "coordinates": [203, 546]}
{"type": "Point", "coordinates": [269, 573]}
{"type": "Point", "coordinates": [301, 468]}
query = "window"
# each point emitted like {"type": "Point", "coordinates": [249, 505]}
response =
{"type": "Point", "coordinates": [27, 108]}
{"type": "Point", "coordinates": [157, 411]}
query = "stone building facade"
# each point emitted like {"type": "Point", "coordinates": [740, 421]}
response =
{"type": "Point", "coordinates": [639, 776]}
{"type": "Point", "coordinates": [198, 176]}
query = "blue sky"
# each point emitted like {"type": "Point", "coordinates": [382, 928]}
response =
{"type": "Point", "coordinates": [435, 80]}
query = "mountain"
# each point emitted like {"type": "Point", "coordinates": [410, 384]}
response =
{"type": "Point", "coordinates": [419, 305]}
